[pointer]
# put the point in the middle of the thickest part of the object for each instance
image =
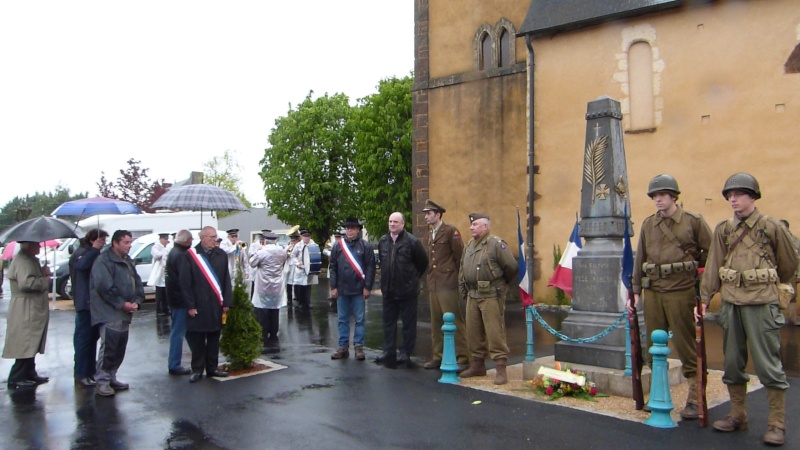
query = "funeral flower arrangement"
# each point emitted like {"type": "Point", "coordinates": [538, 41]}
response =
{"type": "Point", "coordinates": [558, 382]}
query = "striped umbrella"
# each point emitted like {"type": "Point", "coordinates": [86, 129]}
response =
{"type": "Point", "coordinates": [199, 197]}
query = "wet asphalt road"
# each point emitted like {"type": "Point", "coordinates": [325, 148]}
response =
{"type": "Point", "coordinates": [316, 403]}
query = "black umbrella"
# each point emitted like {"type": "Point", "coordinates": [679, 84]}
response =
{"type": "Point", "coordinates": [41, 229]}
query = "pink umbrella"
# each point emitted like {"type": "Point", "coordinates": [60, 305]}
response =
{"type": "Point", "coordinates": [12, 248]}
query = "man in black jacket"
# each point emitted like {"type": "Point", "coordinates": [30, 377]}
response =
{"type": "Point", "coordinates": [182, 240]}
{"type": "Point", "coordinates": [352, 273]}
{"type": "Point", "coordinates": [206, 288]}
{"type": "Point", "coordinates": [403, 262]}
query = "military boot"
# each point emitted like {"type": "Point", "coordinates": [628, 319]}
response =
{"type": "Point", "coordinates": [501, 377]}
{"type": "Point", "coordinates": [737, 418]}
{"type": "Point", "coordinates": [691, 411]}
{"type": "Point", "coordinates": [477, 368]}
{"type": "Point", "coordinates": [776, 429]}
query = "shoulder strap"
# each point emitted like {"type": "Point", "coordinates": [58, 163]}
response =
{"type": "Point", "coordinates": [671, 237]}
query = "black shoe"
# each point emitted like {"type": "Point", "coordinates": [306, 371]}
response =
{"type": "Point", "coordinates": [383, 357]}
{"type": "Point", "coordinates": [119, 385]}
{"type": "Point", "coordinates": [196, 376]}
{"type": "Point", "coordinates": [22, 384]}
{"type": "Point", "coordinates": [180, 371]}
{"type": "Point", "coordinates": [39, 380]}
{"type": "Point", "coordinates": [86, 382]}
{"type": "Point", "coordinates": [217, 373]}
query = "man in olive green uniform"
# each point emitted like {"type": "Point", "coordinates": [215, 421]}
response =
{"type": "Point", "coordinates": [750, 255]}
{"type": "Point", "coordinates": [486, 269]}
{"type": "Point", "coordinates": [445, 247]}
{"type": "Point", "coordinates": [673, 244]}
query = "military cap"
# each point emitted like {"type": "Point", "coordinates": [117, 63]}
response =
{"type": "Point", "coordinates": [305, 232]}
{"type": "Point", "coordinates": [163, 235]}
{"type": "Point", "coordinates": [265, 230]}
{"type": "Point", "coordinates": [233, 231]}
{"type": "Point", "coordinates": [475, 216]}
{"type": "Point", "coordinates": [270, 236]}
{"type": "Point", "coordinates": [431, 205]}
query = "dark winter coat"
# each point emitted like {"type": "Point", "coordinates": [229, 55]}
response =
{"type": "Point", "coordinates": [113, 282]}
{"type": "Point", "coordinates": [342, 275]}
{"type": "Point", "coordinates": [81, 263]}
{"type": "Point", "coordinates": [173, 270]}
{"type": "Point", "coordinates": [198, 293]}
{"type": "Point", "coordinates": [403, 262]}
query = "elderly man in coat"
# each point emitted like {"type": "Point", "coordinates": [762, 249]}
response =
{"type": "Point", "coordinates": [206, 288]}
{"type": "Point", "coordinates": [28, 316]}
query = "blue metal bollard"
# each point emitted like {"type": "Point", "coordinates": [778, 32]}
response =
{"type": "Point", "coordinates": [449, 365]}
{"type": "Point", "coordinates": [660, 399]}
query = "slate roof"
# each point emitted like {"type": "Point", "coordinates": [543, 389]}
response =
{"type": "Point", "coordinates": [547, 17]}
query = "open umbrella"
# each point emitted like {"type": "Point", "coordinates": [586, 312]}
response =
{"type": "Point", "coordinates": [96, 205]}
{"type": "Point", "coordinates": [11, 249]}
{"type": "Point", "coordinates": [41, 229]}
{"type": "Point", "coordinates": [199, 197]}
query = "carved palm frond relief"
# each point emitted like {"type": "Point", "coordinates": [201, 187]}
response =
{"type": "Point", "coordinates": [593, 168]}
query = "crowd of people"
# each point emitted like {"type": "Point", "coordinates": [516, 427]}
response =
{"type": "Point", "coordinates": [749, 259]}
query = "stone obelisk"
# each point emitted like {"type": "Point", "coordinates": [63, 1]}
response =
{"type": "Point", "coordinates": [598, 297]}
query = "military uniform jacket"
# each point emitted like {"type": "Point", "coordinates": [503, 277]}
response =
{"type": "Point", "coordinates": [486, 267]}
{"type": "Point", "coordinates": [767, 245]}
{"type": "Point", "coordinates": [690, 231]}
{"type": "Point", "coordinates": [444, 257]}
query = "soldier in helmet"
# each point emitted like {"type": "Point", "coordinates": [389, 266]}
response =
{"type": "Point", "coordinates": [673, 245]}
{"type": "Point", "coordinates": [750, 255]}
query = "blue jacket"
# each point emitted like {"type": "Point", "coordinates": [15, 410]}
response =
{"type": "Point", "coordinates": [342, 275]}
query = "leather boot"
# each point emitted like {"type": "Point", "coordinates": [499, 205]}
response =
{"type": "Point", "coordinates": [477, 368]}
{"type": "Point", "coordinates": [737, 418]}
{"type": "Point", "coordinates": [776, 428]}
{"type": "Point", "coordinates": [501, 377]}
{"type": "Point", "coordinates": [691, 411]}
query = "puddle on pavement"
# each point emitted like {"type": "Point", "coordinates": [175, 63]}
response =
{"type": "Point", "coordinates": [186, 436]}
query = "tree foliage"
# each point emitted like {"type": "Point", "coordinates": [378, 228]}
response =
{"type": "Point", "coordinates": [133, 185]}
{"type": "Point", "coordinates": [383, 124]}
{"type": "Point", "coordinates": [241, 335]}
{"type": "Point", "coordinates": [38, 204]}
{"type": "Point", "coordinates": [308, 172]}
{"type": "Point", "coordinates": [224, 172]}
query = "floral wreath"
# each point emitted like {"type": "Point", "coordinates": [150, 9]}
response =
{"type": "Point", "coordinates": [555, 383]}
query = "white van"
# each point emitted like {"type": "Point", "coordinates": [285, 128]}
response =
{"type": "Point", "coordinates": [141, 252]}
{"type": "Point", "coordinates": [142, 224]}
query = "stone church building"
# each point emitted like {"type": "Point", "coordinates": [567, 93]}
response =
{"type": "Point", "coordinates": [707, 88]}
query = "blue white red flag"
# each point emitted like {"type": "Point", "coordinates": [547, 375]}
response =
{"type": "Point", "coordinates": [627, 255]}
{"type": "Point", "coordinates": [522, 274]}
{"type": "Point", "coordinates": [562, 277]}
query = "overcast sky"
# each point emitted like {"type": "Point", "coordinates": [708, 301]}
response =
{"type": "Point", "coordinates": [87, 85]}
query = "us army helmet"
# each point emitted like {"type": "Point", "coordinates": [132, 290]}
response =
{"type": "Point", "coordinates": [661, 183]}
{"type": "Point", "coordinates": [743, 182]}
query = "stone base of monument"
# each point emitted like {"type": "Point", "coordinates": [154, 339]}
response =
{"type": "Point", "coordinates": [608, 381]}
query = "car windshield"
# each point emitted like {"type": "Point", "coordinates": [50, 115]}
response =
{"type": "Point", "coordinates": [135, 247]}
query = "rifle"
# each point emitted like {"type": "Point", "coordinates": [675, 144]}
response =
{"type": "Point", "coordinates": [637, 360]}
{"type": "Point", "coordinates": [702, 364]}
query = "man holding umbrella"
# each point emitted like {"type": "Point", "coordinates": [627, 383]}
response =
{"type": "Point", "coordinates": [28, 315]}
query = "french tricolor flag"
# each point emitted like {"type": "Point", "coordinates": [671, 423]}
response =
{"type": "Point", "coordinates": [522, 275]}
{"type": "Point", "coordinates": [562, 277]}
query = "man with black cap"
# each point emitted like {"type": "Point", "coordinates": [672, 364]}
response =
{"type": "Point", "coordinates": [445, 247]}
{"type": "Point", "coordinates": [159, 253]}
{"type": "Point", "coordinates": [403, 262]}
{"type": "Point", "coordinates": [303, 278]}
{"type": "Point", "coordinates": [352, 274]}
{"type": "Point", "coordinates": [750, 261]}
{"type": "Point", "coordinates": [237, 254]}
{"type": "Point", "coordinates": [486, 269]}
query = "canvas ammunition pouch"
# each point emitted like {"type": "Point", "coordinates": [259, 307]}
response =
{"type": "Point", "coordinates": [657, 271]}
{"type": "Point", "coordinates": [748, 277]}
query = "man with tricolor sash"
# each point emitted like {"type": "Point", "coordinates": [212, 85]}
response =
{"type": "Point", "coordinates": [206, 287]}
{"type": "Point", "coordinates": [351, 273]}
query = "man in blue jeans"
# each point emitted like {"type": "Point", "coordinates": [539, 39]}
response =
{"type": "Point", "coordinates": [351, 273]}
{"type": "Point", "coordinates": [183, 241]}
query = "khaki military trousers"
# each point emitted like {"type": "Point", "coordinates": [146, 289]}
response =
{"type": "Point", "coordinates": [443, 301]}
{"type": "Point", "coordinates": [486, 328]}
{"type": "Point", "coordinates": [673, 311]}
{"type": "Point", "coordinates": [759, 327]}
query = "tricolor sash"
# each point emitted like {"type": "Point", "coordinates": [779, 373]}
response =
{"type": "Point", "coordinates": [351, 258]}
{"type": "Point", "coordinates": [209, 274]}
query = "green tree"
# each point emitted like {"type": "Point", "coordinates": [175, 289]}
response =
{"type": "Point", "coordinates": [133, 185]}
{"type": "Point", "coordinates": [383, 153]}
{"type": "Point", "coordinates": [241, 335]}
{"type": "Point", "coordinates": [308, 171]}
{"type": "Point", "coordinates": [224, 172]}
{"type": "Point", "coordinates": [38, 204]}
